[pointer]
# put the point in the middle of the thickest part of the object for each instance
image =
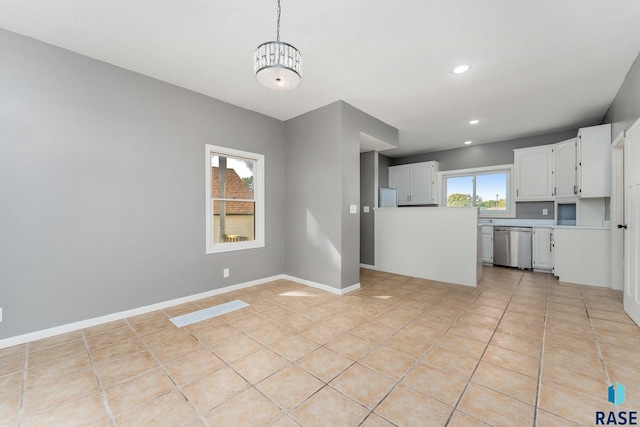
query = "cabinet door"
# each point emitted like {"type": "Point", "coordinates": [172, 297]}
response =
{"type": "Point", "coordinates": [533, 168]}
{"type": "Point", "coordinates": [399, 179]}
{"type": "Point", "coordinates": [594, 154]}
{"type": "Point", "coordinates": [487, 248]}
{"type": "Point", "coordinates": [421, 183]}
{"type": "Point", "coordinates": [543, 248]}
{"type": "Point", "coordinates": [565, 170]}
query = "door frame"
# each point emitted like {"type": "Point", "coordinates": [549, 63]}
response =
{"type": "Point", "coordinates": [616, 206]}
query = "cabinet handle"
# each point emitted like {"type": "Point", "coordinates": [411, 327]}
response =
{"type": "Point", "coordinates": [549, 245]}
{"type": "Point", "coordinates": [555, 190]}
{"type": "Point", "coordinates": [575, 189]}
{"type": "Point", "coordinates": [517, 192]}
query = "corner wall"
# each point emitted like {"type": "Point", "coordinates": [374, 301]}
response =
{"type": "Point", "coordinates": [102, 188]}
{"type": "Point", "coordinates": [322, 178]}
{"type": "Point", "coordinates": [625, 108]}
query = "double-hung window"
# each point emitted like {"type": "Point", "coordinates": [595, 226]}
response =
{"type": "Point", "coordinates": [234, 199]}
{"type": "Point", "coordinates": [488, 188]}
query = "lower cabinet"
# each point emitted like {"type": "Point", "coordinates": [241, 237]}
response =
{"type": "Point", "coordinates": [542, 248]}
{"type": "Point", "coordinates": [583, 255]}
{"type": "Point", "coordinates": [487, 244]}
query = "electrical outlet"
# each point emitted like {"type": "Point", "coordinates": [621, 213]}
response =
{"type": "Point", "coordinates": [0, 314]}
{"type": "Point", "coordinates": [225, 272]}
{"type": "Point", "coordinates": [545, 211]}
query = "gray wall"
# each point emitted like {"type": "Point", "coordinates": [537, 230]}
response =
{"type": "Point", "coordinates": [354, 122]}
{"type": "Point", "coordinates": [625, 108]}
{"type": "Point", "coordinates": [367, 198]}
{"type": "Point", "coordinates": [313, 206]}
{"type": "Point", "coordinates": [475, 156]}
{"type": "Point", "coordinates": [383, 172]}
{"type": "Point", "coordinates": [102, 188]}
{"type": "Point", "coordinates": [322, 179]}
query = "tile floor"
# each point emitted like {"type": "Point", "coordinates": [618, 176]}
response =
{"type": "Point", "coordinates": [520, 350]}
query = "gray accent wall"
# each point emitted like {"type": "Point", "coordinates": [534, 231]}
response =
{"type": "Point", "coordinates": [367, 198]}
{"type": "Point", "coordinates": [533, 210]}
{"type": "Point", "coordinates": [481, 155]}
{"type": "Point", "coordinates": [383, 172]}
{"type": "Point", "coordinates": [625, 108]}
{"type": "Point", "coordinates": [313, 206]}
{"type": "Point", "coordinates": [102, 188]}
{"type": "Point", "coordinates": [322, 179]}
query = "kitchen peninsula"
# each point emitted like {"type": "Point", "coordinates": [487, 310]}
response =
{"type": "Point", "coordinates": [431, 243]}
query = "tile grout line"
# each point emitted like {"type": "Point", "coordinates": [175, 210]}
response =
{"type": "Point", "coordinates": [455, 407]}
{"type": "Point", "coordinates": [596, 340]}
{"type": "Point", "coordinates": [23, 387]}
{"type": "Point", "coordinates": [419, 359]}
{"type": "Point", "coordinates": [541, 363]}
{"type": "Point", "coordinates": [166, 372]}
{"type": "Point", "coordinates": [103, 395]}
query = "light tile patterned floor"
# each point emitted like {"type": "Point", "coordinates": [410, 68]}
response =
{"type": "Point", "coordinates": [520, 350]}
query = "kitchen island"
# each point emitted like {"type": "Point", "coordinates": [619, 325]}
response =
{"type": "Point", "coordinates": [440, 244]}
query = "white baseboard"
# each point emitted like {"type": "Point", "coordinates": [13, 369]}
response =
{"type": "Point", "coordinates": [368, 266]}
{"type": "Point", "coordinates": [321, 286]}
{"type": "Point", "coordinates": [82, 324]}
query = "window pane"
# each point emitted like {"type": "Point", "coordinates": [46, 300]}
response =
{"type": "Point", "coordinates": [459, 191]}
{"type": "Point", "coordinates": [491, 192]}
{"type": "Point", "coordinates": [231, 178]}
{"type": "Point", "coordinates": [233, 221]}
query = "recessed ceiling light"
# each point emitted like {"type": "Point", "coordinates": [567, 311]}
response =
{"type": "Point", "coordinates": [461, 69]}
{"type": "Point", "coordinates": [467, 142]}
{"type": "Point", "coordinates": [474, 122]}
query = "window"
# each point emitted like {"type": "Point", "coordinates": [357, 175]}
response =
{"type": "Point", "coordinates": [235, 199]}
{"type": "Point", "coordinates": [488, 188]}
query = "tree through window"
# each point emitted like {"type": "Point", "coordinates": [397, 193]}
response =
{"type": "Point", "coordinates": [235, 218]}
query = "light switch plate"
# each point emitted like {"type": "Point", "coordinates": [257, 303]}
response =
{"type": "Point", "coordinates": [225, 272]}
{"type": "Point", "coordinates": [353, 209]}
{"type": "Point", "coordinates": [365, 209]}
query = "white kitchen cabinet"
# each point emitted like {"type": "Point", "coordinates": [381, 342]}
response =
{"type": "Point", "coordinates": [487, 244]}
{"type": "Point", "coordinates": [533, 168]}
{"type": "Point", "coordinates": [582, 255]}
{"type": "Point", "coordinates": [542, 248]}
{"type": "Point", "coordinates": [399, 179]}
{"type": "Point", "coordinates": [565, 169]}
{"type": "Point", "coordinates": [594, 161]}
{"type": "Point", "coordinates": [415, 183]}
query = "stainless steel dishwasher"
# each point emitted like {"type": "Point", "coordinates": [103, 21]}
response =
{"type": "Point", "coordinates": [512, 246]}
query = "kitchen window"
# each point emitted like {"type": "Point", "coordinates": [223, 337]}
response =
{"type": "Point", "coordinates": [234, 200]}
{"type": "Point", "coordinates": [487, 188]}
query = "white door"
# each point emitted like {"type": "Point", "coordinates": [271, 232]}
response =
{"type": "Point", "coordinates": [399, 179]}
{"type": "Point", "coordinates": [487, 248]}
{"type": "Point", "coordinates": [533, 168]}
{"type": "Point", "coordinates": [543, 248]}
{"type": "Point", "coordinates": [632, 220]}
{"type": "Point", "coordinates": [421, 183]}
{"type": "Point", "coordinates": [617, 212]}
{"type": "Point", "coordinates": [565, 171]}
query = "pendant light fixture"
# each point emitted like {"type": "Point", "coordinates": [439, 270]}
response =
{"type": "Point", "coordinates": [278, 65]}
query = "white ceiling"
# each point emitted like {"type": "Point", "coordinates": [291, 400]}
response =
{"type": "Point", "coordinates": [537, 66]}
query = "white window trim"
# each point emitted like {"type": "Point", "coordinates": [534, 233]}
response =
{"type": "Point", "coordinates": [258, 192]}
{"type": "Point", "coordinates": [478, 171]}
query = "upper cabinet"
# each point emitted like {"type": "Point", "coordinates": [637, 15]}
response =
{"type": "Point", "coordinates": [576, 168]}
{"type": "Point", "coordinates": [565, 168]}
{"type": "Point", "coordinates": [533, 168]}
{"type": "Point", "coordinates": [415, 183]}
{"type": "Point", "coordinates": [594, 161]}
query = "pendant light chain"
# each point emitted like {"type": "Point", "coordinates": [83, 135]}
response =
{"type": "Point", "coordinates": [278, 29]}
